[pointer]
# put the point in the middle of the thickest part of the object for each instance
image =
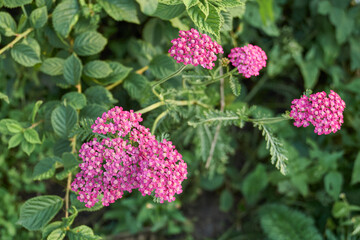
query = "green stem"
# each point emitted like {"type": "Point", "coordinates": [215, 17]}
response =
{"type": "Point", "coordinates": [268, 120]}
{"type": "Point", "coordinates": [178, 103]}
{"type": "Point", "coordinates": [162, 115]}
{"type": "Point", "coordinates": [24, 11]}
{"type": "Point", "coordinates": [165, 79]}
{"type": "Point", "coordinates": [18, 38]}
{"type": "Point", "coordinates": [213, 80]}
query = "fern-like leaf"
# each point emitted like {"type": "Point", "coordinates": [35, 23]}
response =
{"type": "Point", "coordinates": [84, 131]}
{"type": "Point", "coordinates": [275, 146]}
{"type": "Point", "coordinates": [282, 223]}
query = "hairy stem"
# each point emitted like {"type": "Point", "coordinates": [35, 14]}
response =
{"type": "Point", "coordinates": [218, 127]}
{"type": "Point", "coordinates": [18, 38]}
{"type": "Point", "coordinates": [178, 103]}
{"type": "Point", "coordinates": [68, 186]}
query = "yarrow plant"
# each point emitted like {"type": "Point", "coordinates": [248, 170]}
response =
{"type": "Point", "coordinates": [325, 113]}
{"type": "Point", "coordinates": [249, 60]}
{"type": "Point", "coordinates": [195, 48]}
{"type": "Point", "coordinates": [131, 159]}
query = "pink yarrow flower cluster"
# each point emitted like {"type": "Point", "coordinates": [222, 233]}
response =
{"type": "Point", "coordinates": [322, 111]}
{"type": "Point", "coordinates": [133, 159]}
{"type": "Point", "coordinates": [195, 48]}
{"type": "Point", "coordinates": [249, 60]}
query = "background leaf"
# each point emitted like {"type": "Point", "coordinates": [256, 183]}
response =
{"type": "Point", "coordinates": [63, 120]}
{"type": "Point", "coordinates": [89, 43]}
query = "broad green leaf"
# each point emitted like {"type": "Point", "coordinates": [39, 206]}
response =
{"type": "Point", "coordinates": [82, 233]}
{"type": "Point", "coordinates": [38, 211]}
{"type": "Point", "coordinates": [89, 43]}
{"type": "Point", "coordinates": [80, 206]}
{"type": "Point", "coordinates": [45, 168]}
{"type": "Point", "coordinates": [333, 182]}
{"type": "Point", "coordinates": [70, 164]}
{"type": "Point", "coordinates": [97, 69]}
{"type": "Point", "coordinates": [92, 111]}
{"type": "Point", "coordinates": [61, 146]}
{"type": "Point", "coordinates": [229, 3]}
{"type": "Point", "coordinates": [63, 120]}
{"type": "Point", "coordinates": [356, 170]}
{"type": "Point", "coordinates": [167, 12]}
{"type": "Point", "coordinates": [27, 147]}
{"type": "Point", "coordinates": [99, 95]}
{"type": "Point", "coordinates": [171, 2]}
{"type": "Point", "coordinates": [309, 70]}
{"type": "Point", "coordinates": [14, 127]}
{"type": "Point", "coordinates": [152, 31]}
{"type": "Point", "coordinates": [65, 16]}
{"type": "Point", "coordinates": [254, 183]}
{"type": "Point", "coordinates": [35, 110]}
{"type": "Point", "coordinates": [41, 3]}
{"type": "Point", "coordinates": [211, 24]}
{"type": "Point", "coordinates": [75, 99]}
{"type": "Point", "coordinates": [235, 86]}
{"type": "Point", "coordinates": [120, 10]}
{"type": "Point", "coordinates": [50, 228]}
{"type": "Point", "coordinates": [162, 66]}
{"type": "Point", "coordinates": [32, 136]}
{"type": "Point", "coordinates": [136, 85]}
{"type": "Point", "coordinates": [148, 6]}
{"type": "Point", "coordinates": [4, 125]}
{"type": "Point", "coordinates": [324, 7]}
{"type": "Point", "coordinates": [213, 183]}
{"type": "Point", "coordinates": [204, 7]}
{"type": "Point", "coordinates": [226, 200]}
{"type": "Point", "coordinates": [57, 234]}
{"type": "Point", "coordinates": [340, 209]}
{"type": "Point", "coordinates": [26, 53]}
{"type": "Point", "coordinates": [118, 74]}
{"type": "Point", "coordinates": [190, 3]}
{"type": "Point", "coordinates": [15, 3]}
{"type": "Point", "coordinates": [38, 17]}
{"type": "Point", "coordinates": [7, 24]}
{"type": "Point", "coordinates": [53, 66]}
{"type": "Point", "coordinates": [266, 11]}
{"type": "Point", "coordinates": [343, 23]}
{"type": "Point", "coordinates": [15, 140]}
{"type": "Point", "coordinates": [4, 97]}
{"type": "Point", "coordinates": [142, 51]}
{"type": "Point", "coordinates": [72, 69]}
{"type": "Point", "coordinates": [354, 54]}
{"type": "Point", "coordinates": [280, 222]}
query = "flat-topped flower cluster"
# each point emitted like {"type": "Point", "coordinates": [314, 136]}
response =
{"type": "Point", "coordinates": [325, 113]}
{"type": "Point", "coordinates": [131, 159]}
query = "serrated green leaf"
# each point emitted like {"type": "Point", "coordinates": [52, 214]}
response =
{"type": "Point", "coordinates": [162, 66]}
{"type": "Point", "coordinates": [32, 136]}
{"type": "Point", "coordinates": [26, 53]}
{"type": "Point", "coordinates": [99, 95]}
{"type": "Point", "coordinates": [118, 74]}
{"type": "Point", "coordinates": [7, 24]}
{"type": "Point", "coordinates": [41, 3]}
{"type": "Point", "coordinates": [148, 6]}
{"type": "Point", "coordinates": [72, 69]}
{"type": "Point", "coordinates": [97, 69]}
{"type": "Point", "coordinates": [27, 147]}
{"type": "Point", "coordinates": [4, 97]}
{"type": "Point", "coordinates": [75, 99]}
{"type": "Point", "coordinates": [51, 227]}
{"type": "Point", "coordinates": [120, 10]}
{"type": "Point", "coordinates": [70, 164]}
{"type": "Point", "coordinates": [82, 233]}
{"type": "Point", "coordinates": [136, 85]}
{"type": "Point", "coordinates": [235, 86]}
{"type": "Point", "coordinates": [15, 3]}
{"type": "Point", "coordinates": [3, 125]}
{"type": "Point", "coordinates": [226, 200]}
{"type": "Point", "coordinates": [211, 24]}
{"type": "Point", "coordinates": [171, 2]}
{"type": "Point", "coordinates": [228, 3]}
{"type": "Point", "coordinates": [190, 3]}
{"type": "Point", "coordinates": [65, 16]}
{"type": "Point", "coordinates": [53, 66]}
{"type": "Point", "coordinates": [92, 111]}
{"type": "Point", "coordinates": [204, 7]}
{"type": "Point", "coordinates": [63, 120]}
{"type": "Point", "coordinates": [89, 43]}
{"type": "Point", "coordinates": [15, 140]}
{"type": "Point", "coordinates": [38, 17]}
{"type": "Point", "coordinates": [341, 209]}
{"type": "Point", "coordinates": [167, 12]}
{"type": "Point", "coordinates": [57, 234]}
{"type": "Point", "coordinates": [38, 211]}
{"type": "Point", "coordinates": [14, 127]}
{"type": "Point", "coordinates": [45, 168]}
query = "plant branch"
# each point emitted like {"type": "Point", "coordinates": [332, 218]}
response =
{"type": "Point", "coordinates": [162, 115]}
{"type": "Point", "coordinates": [218, 127]}
{"type": "Point", "coordinates": [174, 102]}
{"type": "Point", "coordinates": [18, 38]}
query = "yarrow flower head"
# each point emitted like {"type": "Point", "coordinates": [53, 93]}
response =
{"type": "Point", "coordinates": [133, 159]}
{"type": "Point", "coordinates": [195, 48]}
{"type": "Point", "coordinates": [322, 111]}
{"type": "Point", "coordinates": [249, 60]}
